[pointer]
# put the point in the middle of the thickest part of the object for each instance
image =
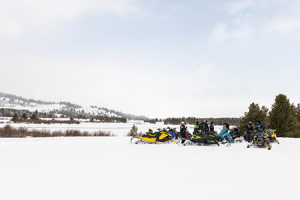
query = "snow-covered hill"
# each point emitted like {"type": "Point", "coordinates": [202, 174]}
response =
{"type": "Point", "coordinates": [8, 101]}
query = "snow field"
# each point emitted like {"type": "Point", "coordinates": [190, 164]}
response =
{"type": "Point", "coordinates": [112, 168]}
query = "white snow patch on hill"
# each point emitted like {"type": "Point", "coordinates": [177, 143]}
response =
{"type": "Point", "coordinates": [6, 102]}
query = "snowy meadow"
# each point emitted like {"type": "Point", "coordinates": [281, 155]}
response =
{"type": "Point", "coordinates": [112, 168]}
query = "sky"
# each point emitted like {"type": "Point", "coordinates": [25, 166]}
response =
{"type": "Point", "coordinates": [157, 58]}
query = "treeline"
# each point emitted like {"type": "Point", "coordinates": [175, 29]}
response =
{"type": "Point", "coordinates": [284, 117]}
{"type": "Point", "coordinates": [14, 99]}
{"type": "Point", "coordinates": [153, 121]}
{"type": "Point", "coordinates": [192, 120]}
{"type": "Point", "coordinates": [35, 117]}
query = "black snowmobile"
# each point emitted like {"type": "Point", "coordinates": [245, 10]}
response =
{"type": "Point", "coordinates": [236, 135]}
{"type": "Point", "coordinates": [260, 139]}
{"type": "Point", "coordinates": [202, 139]}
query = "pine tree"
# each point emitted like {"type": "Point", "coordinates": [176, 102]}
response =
{"type": "Point", "coordinates": [298, 112]}
{"type": "Point", "coordinates": [15, 118]}
{"type": "Point", "coordinates": [255, 113]}
{"type": "Point", "coordinates": [133, 131]}
{"type": "Point", "coordinates": [283, 117]}
{"type": "Point", "coordinates": [24, 116]}
{"type": "Point", "coordinates": [34, 117]}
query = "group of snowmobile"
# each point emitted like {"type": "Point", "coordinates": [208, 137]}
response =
{"type": "Point", "coordinates": [204, 136]}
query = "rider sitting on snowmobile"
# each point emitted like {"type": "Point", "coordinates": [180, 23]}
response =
{"type": "Point", "coordinates": [225, 133]}
{"type": "Point", "coordinates": [260, 127]}
{"type": "Point", "coordinates": [205, 127]}
{"type": "Point", "coordinates": [197, 129]}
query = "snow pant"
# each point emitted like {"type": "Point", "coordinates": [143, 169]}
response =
{"type": "Point", "coordinates": [249, 136]}
{"type": "Point", "coordinates": [227, 135]}
{"type": "Point", "coordinates": [182, 133]}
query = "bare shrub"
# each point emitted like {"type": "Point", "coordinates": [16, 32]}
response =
{"type": "Point", "coordinates": [57, 134]}
{"type": "Point", "coordinates": [9, 131]}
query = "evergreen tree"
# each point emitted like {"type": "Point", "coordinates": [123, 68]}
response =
{"type": "Point", "coordinates": [133, 131]}
{"type": "Point", "coordinates": [24, 116]}
{"type": "Point", "coordinates": [298, 112]}
{"type": "Point", "coordinates": [283, 117]}
{"type": "Point", "coordinates": [34, 117]}
{"type": "Point", "coordinates": [255, 113]}
{"type": "Point", "coordinates": [15, 118]}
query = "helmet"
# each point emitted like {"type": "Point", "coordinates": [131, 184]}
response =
{"type": "Point", "coordinates": [182, 123]}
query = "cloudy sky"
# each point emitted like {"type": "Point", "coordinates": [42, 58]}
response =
{"type": "Point", "coordinates": [158, 58]}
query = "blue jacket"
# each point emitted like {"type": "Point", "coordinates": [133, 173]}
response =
{"type": "Point", "coordinates": [260, 127]}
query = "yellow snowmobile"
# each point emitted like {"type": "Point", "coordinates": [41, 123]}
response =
{"type": "Point", "coordinates": [153, 138]}
{"type": "Point", "coordinates": [271, 134]}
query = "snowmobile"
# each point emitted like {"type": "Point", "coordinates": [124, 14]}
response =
{"type": "Point", "coordinates": [173, 132]}
{"type": "Point", "coordinates": [153, 138]}
{"type": "Point", "coordinates": [202, 139]}
{"type": "Point", "coordinates": [260, 139]}
{"type": "Point", "coordinates": [271, 134]}
{"type": "Point", "coordinates": [236, 135]}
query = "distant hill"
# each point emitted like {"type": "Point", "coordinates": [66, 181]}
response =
{"type": "Point", "coordinates": [10, 103]}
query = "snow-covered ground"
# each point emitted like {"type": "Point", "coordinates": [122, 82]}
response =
{"type": "Point", "coordinates": [106, 168]}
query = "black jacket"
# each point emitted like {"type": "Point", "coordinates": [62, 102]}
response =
{"type": "Point", "coordinates": [250, 128]}
{"type": "Point", "coordinates": [211, 127]}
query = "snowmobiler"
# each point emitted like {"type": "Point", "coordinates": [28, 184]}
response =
{"type": "Point", "coordinates": [212, 127]}
{"type": "Point", "coordinates": [196, 128]}
{"type": "Point", "coordinates": [153, 138]}
{"type": "Point", "coordinates": [183, 132]}
{"type": "Point", "coordinates": [224, 134]}
{"type": "Point", "coordinates": [205, 127]}
{"type": "Point", "coordinates": [260, 127]}
{"type": "Point", "coordinates": [249, 131]}
{"type": "Point", "coordinates": [260, 139]}
{"type": "Point", "coordinates": [271, 134]}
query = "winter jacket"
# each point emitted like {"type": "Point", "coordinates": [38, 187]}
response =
{"type": "Point", "coordinates": [211, 128]}
{"type": "Point", "coordinates": [182, 130]}
{"type": "Point", "coordinates": [260, 127]}
{"type": "Point", "coordinates": [249, 128]}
